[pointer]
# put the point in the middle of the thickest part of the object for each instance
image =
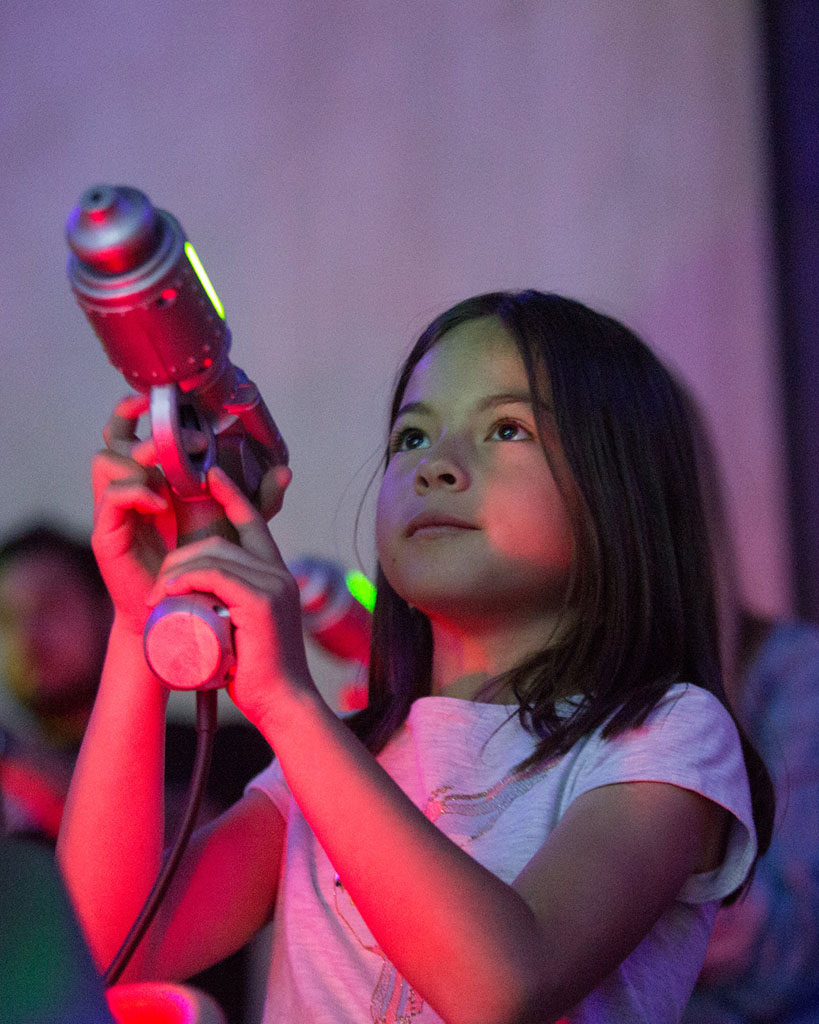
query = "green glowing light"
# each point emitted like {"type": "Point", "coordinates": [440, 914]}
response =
{"type": "Point", "coordinates": [203, 277]}
{"type": "Point", "coordinates": [361, 589]}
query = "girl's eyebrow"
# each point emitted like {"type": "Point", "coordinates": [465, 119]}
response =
{"type": "Point", "coordinates": [421, 407]}
{"type": "Point", "coordinates": [506, 398]}
{"type": "Point", "coordinates": [502, 398]}
{"type": "Point", "coordinates": [535, 404]}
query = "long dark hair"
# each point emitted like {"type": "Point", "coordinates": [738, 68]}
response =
{"type": "Point", "coordinates": [642, 594]}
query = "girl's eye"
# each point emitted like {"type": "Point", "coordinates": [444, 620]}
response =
{"type": "Point", "coordinates": [408, 440]}
{"type": "Point", "coordinates": [510, 430]}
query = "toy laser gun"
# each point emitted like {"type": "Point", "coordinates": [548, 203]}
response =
{"type": "Point", "coordinates": [140, 283]}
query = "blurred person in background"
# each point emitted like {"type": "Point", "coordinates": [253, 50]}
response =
{"type": "Point", "coordinates": [761, 963]}
{"type": "Point", "coordinates": [55, 617]}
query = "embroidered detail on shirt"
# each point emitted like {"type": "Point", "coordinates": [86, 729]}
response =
{"type": "Point", "coordinates": [472, 815]}
{"type": "Point", "coordinates": [469, 815]}
{"type": "Point", "coordinates": [393, 1001]}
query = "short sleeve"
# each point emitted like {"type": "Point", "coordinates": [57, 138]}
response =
{"type": "Point", "coordinates": [272, 783]}
{"type": "Point", "coordinates": [688, 740]}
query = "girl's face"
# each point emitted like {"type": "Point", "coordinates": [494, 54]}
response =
{"type": "Point", "coordinates": [471, 524]}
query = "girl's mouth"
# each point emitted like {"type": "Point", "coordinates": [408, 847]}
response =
{"type": "Point", "coordinates": [435, 522]}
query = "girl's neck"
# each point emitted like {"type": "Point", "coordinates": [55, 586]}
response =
{"type": "Point", "coordinates": [464, 660]}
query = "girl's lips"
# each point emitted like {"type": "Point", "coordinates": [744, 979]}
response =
{"type": "Point", "coordinates": [430, 521]}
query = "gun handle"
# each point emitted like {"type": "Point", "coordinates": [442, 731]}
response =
{"type": "Point", "coordinates": [188, 639]}
{"type": "Point", "coordinates": [188, 642]}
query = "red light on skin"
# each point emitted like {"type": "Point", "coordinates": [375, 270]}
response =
{"type": "Point", "coordinates": [353, 697]}
{"type": "Point", "coordinates": [157, 1002]}
{"type": "Point", "coordinates": [169, 294]}
{"type": "Point", "coordinates": [207, 362]}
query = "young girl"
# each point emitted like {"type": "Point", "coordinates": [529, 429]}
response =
{"type": "Point", "coordinates": [546, 799]}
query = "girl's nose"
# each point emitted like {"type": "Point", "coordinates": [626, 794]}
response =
{"type": "Point", "coordinates": [443, 471]}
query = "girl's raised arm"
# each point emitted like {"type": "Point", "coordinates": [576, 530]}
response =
{"type": "Point", "coordinates": [111, 839]}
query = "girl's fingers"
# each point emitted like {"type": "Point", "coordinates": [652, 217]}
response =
{"type": "Point", "coordinates": [109, 466]}
{"type": "Point", "coordinates": [215, 550]}
{"type": "Point", "coordinates": [144, 452]}
{"type": "Point", "coordinates": [122, 486]}
{"type": "Point", "coordinates": [122, 498]}
{"type": "Point", "coordinates": [119, 433]}
{"type": "Point", "coordinates": [245, 517]}
{"type": "Point", "coordinates": [271, 491]}
{"type": "Point", "coordinates": [230, 583]}
{"type": "Point", "coordinates": [132, 406]}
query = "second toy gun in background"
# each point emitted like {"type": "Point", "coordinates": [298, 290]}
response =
{"type": "Point", "coordinates": [147, 296]}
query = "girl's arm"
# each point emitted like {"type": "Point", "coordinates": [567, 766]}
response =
{"type": "Point", "coordinates": [111, 838]}
{"type": "Point", "coordinates": [110, 841]}
{"type": "Point", "coordinates": [474, 947]}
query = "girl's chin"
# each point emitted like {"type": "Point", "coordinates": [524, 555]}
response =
{"type": "Point", "coordinates": [469, 609]}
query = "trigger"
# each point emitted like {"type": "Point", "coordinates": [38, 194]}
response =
{"type": "Point", "coordinates": [185, 472]}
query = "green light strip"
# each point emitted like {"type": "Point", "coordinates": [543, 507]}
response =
{"type": "Point", "coordinates": [361, 588]}
{"type": "Point", "coordinates": [203, 277]}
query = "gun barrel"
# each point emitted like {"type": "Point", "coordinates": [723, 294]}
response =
{"type": "Point", "coordinates": [134, 279]}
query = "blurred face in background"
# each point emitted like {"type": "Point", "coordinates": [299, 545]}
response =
{"type": "Point", "coordinates": [53, 632]}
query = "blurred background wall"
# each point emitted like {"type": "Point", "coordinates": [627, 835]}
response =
{"type": "Point", "coordinates": [348, 170]}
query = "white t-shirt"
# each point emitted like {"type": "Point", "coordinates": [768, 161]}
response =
{"type": "Point", "coordinates": [456, 761]}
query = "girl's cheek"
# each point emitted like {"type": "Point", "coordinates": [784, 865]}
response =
{"type": "Point", "coordinates": [381, 520]}
{"type": "Point", "coordinates": [388, 526]}
{"type": "Point", "coordinates": [387, 494]}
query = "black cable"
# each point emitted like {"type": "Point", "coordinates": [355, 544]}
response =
{"type": "Point", "coordinates": [206, 707]}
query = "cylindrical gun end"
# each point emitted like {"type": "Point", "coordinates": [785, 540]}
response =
{"type": "Point", "coordinates": [113, 228]}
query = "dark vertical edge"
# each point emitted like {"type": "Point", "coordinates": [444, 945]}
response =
{"type": "Point", "coordinates": [791, 53]}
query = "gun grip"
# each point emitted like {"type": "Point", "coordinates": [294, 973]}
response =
{"type": "Point", "coordinates": [188, 642]}
{"type": "Point", "coordinates": [188, 638]}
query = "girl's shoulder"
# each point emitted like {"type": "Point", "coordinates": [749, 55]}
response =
{"type": "Point", "coordinates": [688, 740]}
{"type": "Point", "coordinates": [689, 735]}
{"type": "Point", "coordinates": [686, 706]}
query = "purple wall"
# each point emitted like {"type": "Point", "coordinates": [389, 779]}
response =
{"type": "Point", "coordinates": [347, 170]}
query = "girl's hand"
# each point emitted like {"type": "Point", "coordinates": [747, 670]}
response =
{"type": "Point", "coordinates": [252, 581]}
{"type": "Point", "coordinates": [134, 522]}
